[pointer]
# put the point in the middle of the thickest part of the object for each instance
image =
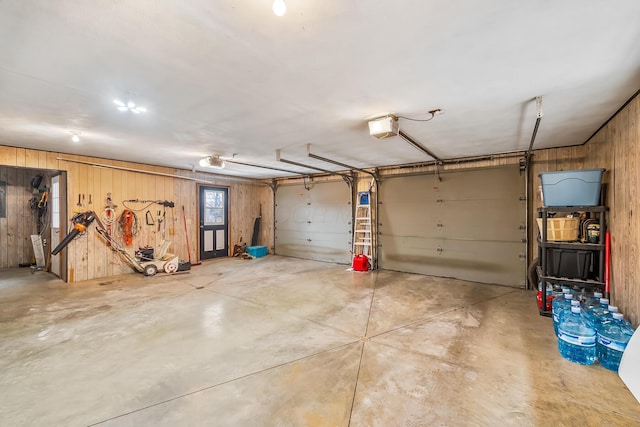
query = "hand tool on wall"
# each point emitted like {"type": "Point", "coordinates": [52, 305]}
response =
{"type": "Point", "coordinates": [83, 203]}
{"type": "Point", "coordinates": [90, 202]}
{"type": "Point", "coordinates": [79, 204]}
{"type": "Point", "coordinates": [149, 218]}
{"type": "Point", "coordinates": [109, 216]}
{"type": "Point", "coordinates": [256, 229]}
{"type": "Point", "coordinates": [186, 235]}
{"type": "Point", "coordinates": [80, 222]}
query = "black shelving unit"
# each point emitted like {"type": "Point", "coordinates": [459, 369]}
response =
{"type": "Point", "coordinates": [598, 249]}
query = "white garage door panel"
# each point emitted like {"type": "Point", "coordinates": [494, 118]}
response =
{"type": "Point", "coordinates": [315, 223]}
{"type": "Point", "coordinates": [486, 262]}
{"type": "Point", "coordinates": [456, 219]}
{"type": "Point", "coordinates": [460, 219]}
{"type": "Point", "coordinates": [469, 226]}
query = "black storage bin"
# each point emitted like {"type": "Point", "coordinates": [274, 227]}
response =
{"type": "Point", "coordinates": [570, 263]}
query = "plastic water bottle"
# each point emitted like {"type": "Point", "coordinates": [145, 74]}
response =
{"type": "Point", "coordinates": [556, 307]}
{"type": "Point", "coordinates": [594, 313]}
{"type": "Point", "coordinates": [577, 338]}
{"type": "Point", "coordinates": [607, 317]}
{"type": "Point", "coordinates": [578, 293]}
{"type": "Point", "coordinates": [613, 338]}
{"type": "Point", "coordinates": [592, 301]}
{"type": "Point", "coordinates": [564, 310]}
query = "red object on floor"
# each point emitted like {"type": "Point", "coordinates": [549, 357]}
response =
{"type": "Point", "coordinates": [360, 263]}
{"type": "Point", "coordinates": [549, 301]}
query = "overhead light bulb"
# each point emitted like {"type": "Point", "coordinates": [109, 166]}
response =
{"type": "Point", "coordinates": [74, 136]}
{"type": "Point", "coordinates": [279, 7]}
{"type": "Point", "coordinates": [129, 106]}
{"type": "Point", "coordinates": [212, 162]}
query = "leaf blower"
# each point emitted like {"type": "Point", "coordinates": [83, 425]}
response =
{"type": "Point", "coordinates": [81, 222]}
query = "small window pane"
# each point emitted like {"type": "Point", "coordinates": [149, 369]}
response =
{"type": "Point", "coordinates": [214, 207]}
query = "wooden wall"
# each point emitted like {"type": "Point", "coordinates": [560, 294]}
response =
{"type": "Point", "coordinates": [21, 221]}
{"type": "Point", "coordinates": [88, 255]}
{"type": "Point", "coordinates": [616, 147]}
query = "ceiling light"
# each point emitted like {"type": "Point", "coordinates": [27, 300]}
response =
{"type": "Point", "coordinates": [279, 7]}
{"type": "Point", "coordinates": [212, 162]}
{"type": "Point", "coordinates": [129, 106]}
{"type": "Point", "coordinates": [384, 127]}
{"type": "Point", "coordinates": [74, 136]}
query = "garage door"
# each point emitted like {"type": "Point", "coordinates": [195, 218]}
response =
{"type": "Point", "coordinates": [470, 225]}
{"type": "Point", "coordinates": [315, 223]}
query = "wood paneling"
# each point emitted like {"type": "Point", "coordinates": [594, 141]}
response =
{"type": "Point", "coordinates": [88, 255]}
{"type": "Point", "coordinates": [616, 148]}
{"type": "Point", "coordinates": [21, 220]}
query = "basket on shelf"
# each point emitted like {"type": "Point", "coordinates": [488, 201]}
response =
{"type": "Point", "coordinates": [561, 229]}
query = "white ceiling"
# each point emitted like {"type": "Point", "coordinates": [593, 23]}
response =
{"type": "Point", "coordinates": [229, 77]}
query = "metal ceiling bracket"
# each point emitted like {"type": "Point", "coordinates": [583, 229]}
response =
{"type": "Point", "coordinates": [419, 146]}
{"type": "Point", "coordinates": [302, 165]}
{"type": "Point", "coordinates": [235, 162]}
{"type": "Point", "coordinates": [344, 165]}
{"type": "Point", "coordinates": [535, 129]}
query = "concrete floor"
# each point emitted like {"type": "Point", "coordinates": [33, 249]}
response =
{"type": "Point", "coordinates": [284, 342]}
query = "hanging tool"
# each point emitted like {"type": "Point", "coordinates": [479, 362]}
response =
{"type": "Point", "coordinates": [164, 261]}
{"type": "Point", "coordinates": [90, 202]}
{"type": "Point", "coordinates": [128, 221]}
{"type": "Point", "coordinates": [159, 220]}
{"type": "Point", "coordinates": [79, 204]}
{"type": "Point", "coordinates": [149, 218]}
{"type": "Point", "coordinates": [83, 203]}
{"type": "Point", "coordinates": [109, 216]}
{"type": "Point", "coordinates": [256, 229]}
{"type": "Point", "coordinates": [186, 235]}
{"type": "Point", "coordinates": [80, 222]}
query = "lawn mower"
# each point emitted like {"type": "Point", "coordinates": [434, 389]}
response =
{"type": "Point", "coordinates": [145, 263]}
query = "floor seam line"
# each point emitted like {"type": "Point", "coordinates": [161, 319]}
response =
{"type": "Point", "coordinates": [366, 329]}
{"type": "Point", "coordinates": [424, 319]}
{"type": "Point", "coordinates": [221, 383]}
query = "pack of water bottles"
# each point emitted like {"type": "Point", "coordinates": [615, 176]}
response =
{"type": "Point", "coordinates": [589, 329]}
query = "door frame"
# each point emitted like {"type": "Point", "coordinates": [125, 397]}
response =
{"type": "Point", "coordinates": [63, 224]}
{"type": "Point", "coordinates": [199, 219]}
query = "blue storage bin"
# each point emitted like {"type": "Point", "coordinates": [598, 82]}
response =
{"type": "Point", "coordinates": [572, 188]}
{"type": "Point", "coordinates": [257, 251]}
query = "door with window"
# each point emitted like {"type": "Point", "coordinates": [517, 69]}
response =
{"type": "Point", "coordinates": [55, 223]}
{"type": "Point", "coordinates": [214, 222]}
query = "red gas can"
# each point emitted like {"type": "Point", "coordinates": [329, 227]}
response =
{"type": "Point", "coordinates": [360, 263]}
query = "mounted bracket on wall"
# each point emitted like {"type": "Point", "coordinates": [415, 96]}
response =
{"type": "Point", "coordinates": [535, 129]}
